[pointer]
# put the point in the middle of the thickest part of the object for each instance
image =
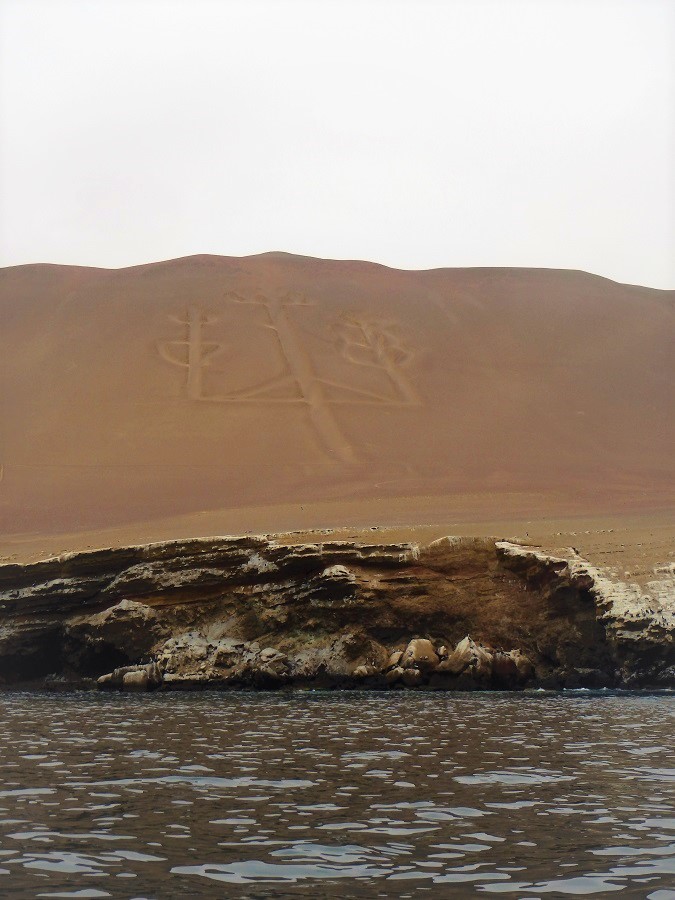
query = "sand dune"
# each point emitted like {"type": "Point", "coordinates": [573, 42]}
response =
{"type": "Point", "coordinates": [206, 385]}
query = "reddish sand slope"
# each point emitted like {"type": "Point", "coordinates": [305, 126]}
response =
{"type": "Point", "coordinates": [208, 383]}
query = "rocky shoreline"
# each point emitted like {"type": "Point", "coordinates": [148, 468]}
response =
{"type": "Point", "coordinates": [255, 612]}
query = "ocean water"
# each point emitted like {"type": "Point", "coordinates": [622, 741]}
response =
{"type": "Point", "coordinates": [323, 794]}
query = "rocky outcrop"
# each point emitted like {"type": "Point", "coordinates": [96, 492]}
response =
{"type": "Point", "coordinates": [192, 659]}
{"type": "Point", "coordinates": [253, 611]}
{"type": "Point", "coordinates": [638, 623]}
{"type": "Point", "coordinates": [133, 678]}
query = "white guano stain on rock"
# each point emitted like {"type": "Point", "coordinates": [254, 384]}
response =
{"type": "Point", "coordinates": [258, 563]}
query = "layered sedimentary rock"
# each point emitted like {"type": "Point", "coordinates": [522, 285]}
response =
{"type": "Point", "coordinates": [460, 613]}
{"type": "Point", "coordinates": [639, 623]}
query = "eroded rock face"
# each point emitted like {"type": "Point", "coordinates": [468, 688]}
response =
{"type": "Point", "coordinates": [124, 632]}
{"type": "Point", "coordinates": [193, 658]}
{"type": "Point", "coordinates": [253, 612]}
{"type": "Point", "coordinates": [638, 625]}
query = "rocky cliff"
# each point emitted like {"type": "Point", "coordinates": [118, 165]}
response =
{"type": "Point", "coordinates": [253, 611]}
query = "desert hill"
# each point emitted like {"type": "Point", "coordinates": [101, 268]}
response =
{"type": "Point", "coordinates": [208, 385]}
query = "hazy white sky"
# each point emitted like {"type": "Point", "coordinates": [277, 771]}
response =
{"type": "Point", "coordinates": [416, 133]}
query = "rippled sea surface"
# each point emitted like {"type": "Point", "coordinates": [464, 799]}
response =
{"type": "Point", "coordinates": [325, 795]}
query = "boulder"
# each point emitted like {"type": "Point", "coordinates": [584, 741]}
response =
{"type": "Point", "coordinates": [272, 662]}
{"type": "Point", "coordinates": [227, 652]}
{"type": "Point", "coordinates": [420, 654]}
{"type": "Point", "coordinates": [394, 675]}
{"type": "Point", "coordinates": [184, 653]}
{"type": "Point", "coordinates": [132, 678]}
{"type": "Point", "coordinates": [270, 673]}
{"type": "Point", "coordinates": [470, 658]}
{"type": "Point", "coordinates": [395, 659]}
{"type": "Point", "coordinates": [459, 659]}
{"type": "Point", "coordinates": [482, 664]}
{"type": "Point", "coordinates": [412, 677]}
{"type": "Point", "coordinates": [365, 671]}
{"type": "Point", "coordinates": [136, 681]}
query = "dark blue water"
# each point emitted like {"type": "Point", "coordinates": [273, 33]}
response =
{"type": "Point", "coordinates": [325, 795]}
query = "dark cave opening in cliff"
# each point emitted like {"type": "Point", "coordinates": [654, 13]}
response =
{"type": "Point", "coordinates": [36, 655]}
{"type": "Point", "coordinates": [93, 660]}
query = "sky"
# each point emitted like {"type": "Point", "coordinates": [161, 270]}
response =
{"type": "Point", "coordinates": [415, 133]}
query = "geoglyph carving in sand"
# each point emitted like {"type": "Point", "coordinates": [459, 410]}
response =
{"type": "Point", "coordinates": [197, 353]}
{"type": "Point", "coordinates": [364, 342]}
